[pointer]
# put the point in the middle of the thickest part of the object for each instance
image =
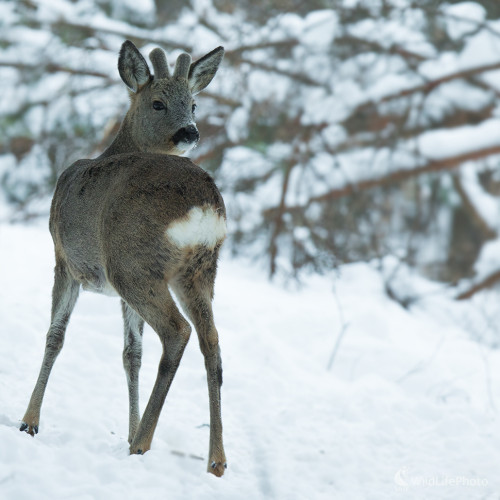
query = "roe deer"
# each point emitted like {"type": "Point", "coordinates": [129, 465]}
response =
{"type": "Point", "coordinates": [139, 221]}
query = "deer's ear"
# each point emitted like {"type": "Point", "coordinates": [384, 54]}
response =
{"type": "Point", "coordinates": [133, 68]}
{"type": "Point", "coordinates": [203, 70]}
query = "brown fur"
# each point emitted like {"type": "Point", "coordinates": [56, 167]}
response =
{"type": "Point", "coordinates": [108, 220]}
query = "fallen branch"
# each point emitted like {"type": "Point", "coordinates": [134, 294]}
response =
{"type": "Point", "coordinates": [484, 284]}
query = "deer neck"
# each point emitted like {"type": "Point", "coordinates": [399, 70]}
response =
{"type": "Point", "coordinates": [123, 142]}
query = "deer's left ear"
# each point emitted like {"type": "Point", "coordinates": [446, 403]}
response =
{"type": "Point", "coordinates": [203, 70]}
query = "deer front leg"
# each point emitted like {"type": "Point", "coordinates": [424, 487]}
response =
{"type": "Point", "coordinates": [132, 354]}
{"type": "Point", "coordinates": [64, 296]}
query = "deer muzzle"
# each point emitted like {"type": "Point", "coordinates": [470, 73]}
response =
{"type": "Point", "coordinates": [187, 135]}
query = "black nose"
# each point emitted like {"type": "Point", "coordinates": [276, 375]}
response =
{"type": "Point", "coordinates": [186, 134]}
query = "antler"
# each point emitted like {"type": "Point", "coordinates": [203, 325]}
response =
{"type": "Point", "coordinates": [159, 61]}
{"type": "Point", "coordinates": [182, 66]}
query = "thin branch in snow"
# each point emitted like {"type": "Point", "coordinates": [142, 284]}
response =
{"type": "Point", "coordinates": [344, 325]}
{"type": "Point", "coordinates": [488, 282]}
{"type": "Point", "coordinates": [423, 364]}
{"type": "Point", "coordinates": [487, 372]}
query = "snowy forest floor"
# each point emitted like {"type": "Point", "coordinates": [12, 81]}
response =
{"type": "Point", "coordinates": [408, 409]}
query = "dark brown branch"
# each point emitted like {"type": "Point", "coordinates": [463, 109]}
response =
{"type": "Point", "coordinates": [134, 36]}
{"type": "Point", "coordinates": [54, 68]}
{"type": "Point", "coordinates": [349, 40]}
{"type": "Point", "coordinates": [278, 222]}
{"type": "Point", "coordinates": [300, 77]}
{"type": "Point", "coordinates": [396, 177]}
{"type": "Point", "coordinates": [425, 87]}
{"type": "Point", "coordinates": [288, 43]}
{"type": "Point", "coordinates": [478, 24]}
{"type": "Point", "coordinates": [484, 284]}
{"type": "Point", "coordinates": [226, 101]}
{"type": "Point", "coordinates": [402, 175]}
{"type": "Point", "coordinates": [432, 84]}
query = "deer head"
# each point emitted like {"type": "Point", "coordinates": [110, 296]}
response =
{"type": "Point", "coordinates": [161, 118]}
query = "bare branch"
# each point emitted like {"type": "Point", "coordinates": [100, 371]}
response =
{"type": "Point", "coordinates": [432, 84]}
{"type": "Point", "coordinates": [484, 284]}
{"type": "Point", "coordinates": [136, 35]}
{"type": "Point", "coordinates": [394, 177]}
{"type": "Point", "coordinates": [349, 40]}
{"type": "Point", "coordinates": [278, 222]}
{"type": "Point", "coordinates": [299, 77]}
{"type": "Point", "coordinates": [287, 43]}
{"type": "Point", "coordinates": [54, 68]}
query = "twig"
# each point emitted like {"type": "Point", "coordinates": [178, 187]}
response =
{"type": "Point", "coordinates": [484, 284]}
{"type": "Point", "coordinates": [343, 330]}
{"type": "Point", "coordinates": [421, 365]}
{"type": "Point", "coordinates": [489, 389]}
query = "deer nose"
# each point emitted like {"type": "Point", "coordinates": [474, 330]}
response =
{"type": "Point", "coordinates": [186, 134]}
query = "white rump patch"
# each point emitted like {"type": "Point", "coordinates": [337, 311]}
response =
{"type": "Point", "coordinates": [201, 226]}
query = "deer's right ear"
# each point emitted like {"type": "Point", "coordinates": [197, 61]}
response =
{"type": "Point", "coordinates": [133, 67]}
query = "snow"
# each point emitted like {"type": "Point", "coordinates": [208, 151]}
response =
{"type": "Point", "coordinates": [319, 29]}
{"type": "Point", "coordinates": [481, 49]}
{"type": "Point", "coordinates": [409, 408]}
{"type": "Point", "coordinates": [463, 18]}
{"type": "Point", "coordinates": [442, 143]}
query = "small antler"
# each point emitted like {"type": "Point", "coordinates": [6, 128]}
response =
{"type": "Point", "coordinates": [182, 66]}
{"type": "Point", "coordinates": [159, 61]}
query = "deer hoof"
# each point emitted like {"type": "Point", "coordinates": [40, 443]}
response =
{"type": "Point", "coordinates": [217, 468]}
{"type": "Point", "coordinates": [29, 429]}
{"type": "Point", "coordinates": [138, 451]}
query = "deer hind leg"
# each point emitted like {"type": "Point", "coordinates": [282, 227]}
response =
{"type": "Point", "coordinates": [64, 296]}
{"type": "Point", "coordinates": [194, 287]}
{"type": "Point", "coordinates": [153, 302]}
{"type": "Point", "coordinates": [132, 354]}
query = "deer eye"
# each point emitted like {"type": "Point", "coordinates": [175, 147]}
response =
{"type": "Point", "coordinates": [158, 105]}
{"type": "Point", "coordinates": [193, 107]}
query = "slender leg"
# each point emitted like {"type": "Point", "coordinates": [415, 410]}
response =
{"type": "Point", "coordinates": [132, 353]}
{"type": "Point", "coordinates": [198, 306]}
{"type": "Point", "coordinates": [174, 331]}
{"type": "Point", "coordinates": [64, 296]}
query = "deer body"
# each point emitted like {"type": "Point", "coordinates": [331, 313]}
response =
{"type": "Point", "coordinates": [126, 205]}
{"type": "Point", "coordinates": [140, 222]}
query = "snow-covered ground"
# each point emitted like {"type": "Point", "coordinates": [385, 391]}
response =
{"type": "Point", "coordinates": [408, 409]}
